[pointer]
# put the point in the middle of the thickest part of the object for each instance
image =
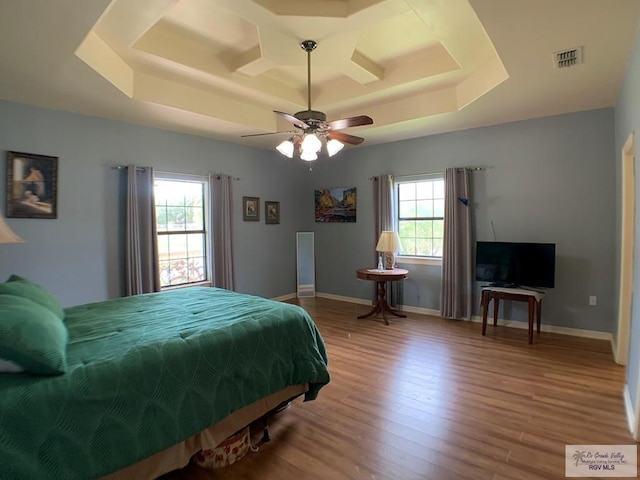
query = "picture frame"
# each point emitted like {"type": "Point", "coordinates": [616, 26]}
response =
{"type": "Point", "coordinates": [32, 185]}
{"type": "Point", "coordinates": [271, 213]}
{"type": "Point", "coordinates": [251, 209]}
{"type": "Point", "coordinates": [335, 205]}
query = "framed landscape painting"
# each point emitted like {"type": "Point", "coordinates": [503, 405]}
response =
{"type": "Point", "coordinates": [32, 185]}
{"type": "Point", "coordinates": [336, 205]}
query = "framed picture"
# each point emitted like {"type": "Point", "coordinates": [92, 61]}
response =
{"type": "Point", "coordinates": [335, 205]}
{"type": "Point", "coordinates": [32, 183]}
{"type": "Point", "coordinates": [271, 212]}
{"type": "Point", "coordinates": [251, 209]}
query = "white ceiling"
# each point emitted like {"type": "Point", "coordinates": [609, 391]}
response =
{"type": "Point", "coordinates": [219, 68]}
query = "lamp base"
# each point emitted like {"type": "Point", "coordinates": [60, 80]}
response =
{"type": "Point", "coordinates": [389, 260]}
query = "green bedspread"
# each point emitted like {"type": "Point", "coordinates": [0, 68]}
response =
{"type": "Point", "coordinates": [146, 372]}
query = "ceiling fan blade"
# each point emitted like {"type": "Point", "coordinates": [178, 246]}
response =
{"type": "Point", "coordinates": [350, 122]}
{"type": "Point", "coordinates": [345, 138]}
{"type": "Point", "coordinates": [292, 119]}
{"type": "Point", "coordinates": [262, 134]}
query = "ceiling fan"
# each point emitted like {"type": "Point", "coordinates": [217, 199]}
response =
{"type": "Point", "coordinates": [314, 126]}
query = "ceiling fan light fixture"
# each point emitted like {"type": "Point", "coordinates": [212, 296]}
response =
{"type": "Point", "coordinates": [286, 148]}
{"type": "Point", "coordinates": [311, 143]}
{"type": "Point", "coordinates": [315, 129]}
{"type": "Point", "coordinates": [334, 146]}
{"type": "Point", "coordinates": [308, 155]}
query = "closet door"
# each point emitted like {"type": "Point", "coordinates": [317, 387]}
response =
{"type": "Point", "coordinates": [305, 265]}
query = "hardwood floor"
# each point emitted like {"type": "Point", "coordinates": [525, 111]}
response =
{"type": "Point", "coordinates": [427, 398]}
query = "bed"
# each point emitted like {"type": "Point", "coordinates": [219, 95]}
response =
{"type": "Point", "coordinates": [147, 381]}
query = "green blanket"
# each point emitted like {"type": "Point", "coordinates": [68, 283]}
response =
{"type": "Point", "coordinates": [148, 371]}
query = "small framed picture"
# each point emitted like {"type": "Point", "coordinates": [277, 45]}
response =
{"type": "Point", "coordinates": [32, 185]}
{"type": "Point", "coordinates": [271, 212]}
{"type": "Point", "coordinates": [251, 209]}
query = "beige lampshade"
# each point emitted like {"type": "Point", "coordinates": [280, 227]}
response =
{"type": "Point", "coordinates": [6, 234]}
{"type": "Point", "coordinates": [389, 242]}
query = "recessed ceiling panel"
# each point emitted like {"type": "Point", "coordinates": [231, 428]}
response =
{"type": "Point", "coordinates": [316, 8]}
{"type": "Point", "coordinates": [395, 37]}
{"type": "Point", "coordinates": [211, 21]}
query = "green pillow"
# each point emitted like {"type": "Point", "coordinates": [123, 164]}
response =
{"type": "Point", "coordinates": [21, 287]}
{"type": "Point", "coordinates": [32, 337]}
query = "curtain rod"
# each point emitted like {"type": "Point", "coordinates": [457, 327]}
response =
{"type": "Point", "coordinates": [468, 169]}
{"type": "Point", "coordinates": [121, 167]}
{"type": "Point", "coordinates": [218, 174]}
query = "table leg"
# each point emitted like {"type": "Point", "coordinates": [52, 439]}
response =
{"type": "Point", "coordinates": [496, 307]}
{"type": "Point", "coordinates": [532, 303]}
{"type": "Point", "coordinates": [382, 306]}
{"type": "Point", "coordinates": [378, 306]}
{"type": "Point", "coordinates": [485, 308]}
{"type": "Point", "coordinates": [539, 314]}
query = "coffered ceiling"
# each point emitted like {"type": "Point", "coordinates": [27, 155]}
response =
{"type": "Point", "coordinates": [219, 68]}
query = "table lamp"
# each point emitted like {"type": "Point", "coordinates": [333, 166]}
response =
{"type": "Point", "coordinates": [6, 234]}
{"type": "Point", "coordinates": [389, 244]}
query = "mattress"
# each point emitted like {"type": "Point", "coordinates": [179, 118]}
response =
{"type": "Point", "coordinates": [147, 372]}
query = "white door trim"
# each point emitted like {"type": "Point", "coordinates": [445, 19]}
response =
{"type": "Point", "coordinates": [627, 241]}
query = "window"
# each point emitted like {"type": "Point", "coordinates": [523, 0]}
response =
{"type": "Point", "coordinates": [182, 235]}
{"type": "Point", "coordinates": [420, 215]}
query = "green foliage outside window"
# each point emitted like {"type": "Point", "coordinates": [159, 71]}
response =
{"type": "Point", "coordinates": [420, 222]}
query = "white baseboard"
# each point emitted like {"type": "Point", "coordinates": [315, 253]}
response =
{"type": "Point", "coordinates": [284, 297]}
{"type": "Point", "coordinates": [628, 407]}
{"type": "Point", "coordinates": [576, 332]}
{"type": "Point", "coordinates": [340, 298]}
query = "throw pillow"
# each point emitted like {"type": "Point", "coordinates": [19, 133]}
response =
{"type": "Point", "coordinates": [32, 337]}
{"type": "Point", "coordinates": [21, 287]}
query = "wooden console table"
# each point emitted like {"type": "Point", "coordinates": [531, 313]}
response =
{"type": "Point", "coordinates": [533, 299]}
{"type": "Point", "coordinates": [382, 277]}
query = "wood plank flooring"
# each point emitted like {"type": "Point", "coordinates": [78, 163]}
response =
{"type": "Point", "coordinates": [427, 398]}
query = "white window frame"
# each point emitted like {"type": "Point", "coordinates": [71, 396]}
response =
{"type": "Point", "coordinates": [206, 202]}
{"type": "Point", "coordinates": [412, 259]}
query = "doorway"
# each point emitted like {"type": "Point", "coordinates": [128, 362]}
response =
{"type": "Point", "coordinates": [627, 242]}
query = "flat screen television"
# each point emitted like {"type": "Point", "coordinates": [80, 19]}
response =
{"type": "Point", "coordinates": [514, 264]}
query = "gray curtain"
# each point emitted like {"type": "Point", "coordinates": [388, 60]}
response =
{"type": "Point", "coordinates": [383, 205]}
{"type": "Point", "coordinates": [383, 220]}
{"type": "Point", "coordinates": [456, 292]}
{"type": "Point", "coordinates": [221, 210]}
{"type": "Point", "coordinates": [141, 249]}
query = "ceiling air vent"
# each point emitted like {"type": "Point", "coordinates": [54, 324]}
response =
{"type": "Point", "coordinates": [568, 57]}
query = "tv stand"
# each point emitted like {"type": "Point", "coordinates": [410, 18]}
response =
{"type": "Point", "coordinates": [532, 297]}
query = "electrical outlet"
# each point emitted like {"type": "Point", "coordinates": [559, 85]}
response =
{"type": "Point", "coordinates": [593, 300]}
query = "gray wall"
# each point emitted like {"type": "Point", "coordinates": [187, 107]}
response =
{"type": "Point", "coordinates": [627, 120]}
{"type": "Point", "coordinates": [546, 180]}
{"type": "Point", "coordinates": [78, 256]}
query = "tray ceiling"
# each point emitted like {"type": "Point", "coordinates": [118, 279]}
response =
{"type": "Point", "coordinates": [220, 67]}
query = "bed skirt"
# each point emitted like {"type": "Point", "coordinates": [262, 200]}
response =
{"type": "Point", "coordinates": [178, 456]}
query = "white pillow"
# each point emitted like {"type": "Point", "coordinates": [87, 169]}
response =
{"type": "Point", "coordinates": [7, 366]}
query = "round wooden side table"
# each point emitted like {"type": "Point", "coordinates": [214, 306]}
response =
{"type": "Point", "coordinates": [381, 277]}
